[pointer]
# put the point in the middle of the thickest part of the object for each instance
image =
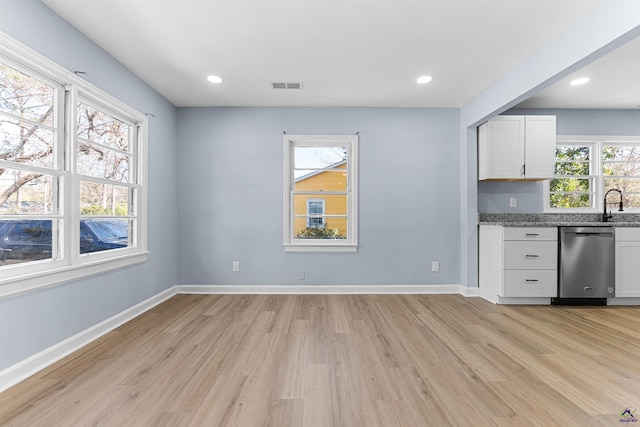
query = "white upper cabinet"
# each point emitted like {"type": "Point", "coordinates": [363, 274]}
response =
{"type": "Point", "coordinates": [517, 148]}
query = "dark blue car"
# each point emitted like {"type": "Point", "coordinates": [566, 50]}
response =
{"type": "Point", "coordinates": [29, 240]}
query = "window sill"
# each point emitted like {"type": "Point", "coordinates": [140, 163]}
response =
{"type": "Point", "coordinates": [42, 279]}
{"type": "Point", "coordinates": [314, 247]}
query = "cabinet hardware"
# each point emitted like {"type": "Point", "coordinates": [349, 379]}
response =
{"type": "Point", "coordinates": [532, 280]}
{"type": "Point", "coordinates": [532, 234]}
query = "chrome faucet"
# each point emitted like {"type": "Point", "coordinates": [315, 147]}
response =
{"type": "Point", "coordinates": [605, 216]}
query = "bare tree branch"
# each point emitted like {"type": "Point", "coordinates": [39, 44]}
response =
{"type": "Point", "coordinates": [19, 183]}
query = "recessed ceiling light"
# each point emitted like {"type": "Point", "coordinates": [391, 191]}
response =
{"type": "Point", "coordinates": [424, 79]}
{"type": "Point", "coordinates": [214, 79]}
{"type": "Point", "coordinates": [580, 81]}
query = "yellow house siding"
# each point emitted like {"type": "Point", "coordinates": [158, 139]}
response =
{"type": "Point", "coordinates": [330, 180]}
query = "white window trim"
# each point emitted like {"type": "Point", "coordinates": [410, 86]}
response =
{"type": "Point", "coordinates": [596, 142]}
{"type": "Point", "coordinates": [40, 274]}
{"type": "Point", "coordinates": [350, 244]}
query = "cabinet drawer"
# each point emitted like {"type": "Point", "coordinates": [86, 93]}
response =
{"type": "Point", "coordinates": [522, 255]}
{"type": "Point", "coordinates": [530, 283]}
{"type": "Point", "coordinates": [624, 234]}
{"type": "Point", "coordinates": [530, 233]}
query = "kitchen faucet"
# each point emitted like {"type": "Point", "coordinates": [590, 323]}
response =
{"type": "Point", "coordinates": [606, 216]}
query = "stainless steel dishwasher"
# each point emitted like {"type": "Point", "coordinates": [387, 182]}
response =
{"type": "Point", "coordinates": [587, 262]}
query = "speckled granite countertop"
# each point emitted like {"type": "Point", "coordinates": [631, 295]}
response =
{"type": "Point", "coordinates": [558, 220]}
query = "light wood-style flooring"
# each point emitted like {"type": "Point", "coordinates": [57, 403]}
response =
{"type": "Point", "coordinates": [344, 360]}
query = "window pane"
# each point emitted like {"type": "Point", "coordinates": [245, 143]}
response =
{"type": "Point", "coordinates": [100, 162]}
{"type": "Point", "coordinates": [577, 153]}
{"type": "Point", "coordinates": [572, 168]}
{"type": "Point", "coordinates": [26, 240]}
{"type": "Point", "coordinates": [97, 126]}
{"type": "Point", "coordinates": [103, 234]}
{"type": "Point", "coordinates": [317, 158]}
{"type": "Point", "coordinates": [333, 228]}
{"type": "Point", "coordinates": [103, 199]}
{"type": "Point", "coordinates": [626, 185]}
{"type": "Point", "coordinates": [621, 153]}
{"type": "Point", "coordinates": [570, 201]}
{"type": "Point", "coordinates": [629, 200]}
{"type": "Point", "coordinates": [27, 193]}
{"type": "Point", "coordinates": [331, 225]}
{"type": "Point", "coordinates": [621, 168]}
{"type": "Point", "coordinates": [26, 143]}
{"type": "Point", "coordinates": [25, 97]}
{"type": "Point", "coordinates": [570, 185]}
{"type": "Point", "coordinates": [315, 207]}
{"type": "Point", "coordinates": [325, 180]}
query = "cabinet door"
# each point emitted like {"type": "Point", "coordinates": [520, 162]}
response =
{"type": "Point", "coordinates": [540, 146]}
{"type": "Point", "coordinates": [501, 148]}
{"type": "Point", "coordinates": [627, 266]}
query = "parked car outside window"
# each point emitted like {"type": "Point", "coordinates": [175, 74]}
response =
{"type": "Point", "coordinates": [31, 240]}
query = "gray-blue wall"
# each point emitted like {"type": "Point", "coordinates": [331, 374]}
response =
{"type": "Point", "coordinates": [231, 196]}
{"type": "Point", "coordinates": [493, 197]}
{"type": "Point", "coordinates": [33, 321]}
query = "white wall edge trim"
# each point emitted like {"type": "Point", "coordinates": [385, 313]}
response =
{"type": "Point", "coordinates": [329, 289]}
{"type": "Point", "coordinates": [28, 367]}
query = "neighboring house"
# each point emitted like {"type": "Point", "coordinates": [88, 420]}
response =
{"type": "Point", "coordinates": [319, 206]}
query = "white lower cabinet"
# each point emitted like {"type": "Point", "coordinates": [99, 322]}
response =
{"type": "Point", "coordinates": [627, 262]}
{"type": "Point", "coordinates": [519, 262]}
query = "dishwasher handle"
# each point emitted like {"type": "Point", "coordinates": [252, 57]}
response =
{"type": "Point", "coordinates": [594, 234]}
{"type": "Point", "coordinates": [606, 232]}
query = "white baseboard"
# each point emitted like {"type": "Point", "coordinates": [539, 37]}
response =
{"type": "Point", "coordinates": [24, 369]}
{"type": "Point", "coordinates": [330, 289]}
{"type": "Point", "coordinates": [623, 301]}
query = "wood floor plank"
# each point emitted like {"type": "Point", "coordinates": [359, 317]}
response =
{"type": "Point", "coordinates": [343, 360]}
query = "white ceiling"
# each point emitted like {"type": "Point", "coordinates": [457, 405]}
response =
{"type": "Point", "coordinates": [614, 84]}
{"type": "Point", "coordinates": [365, 53]}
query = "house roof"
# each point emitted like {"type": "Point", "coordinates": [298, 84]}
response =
{"type": "Point", "coordinates": [317, 172]}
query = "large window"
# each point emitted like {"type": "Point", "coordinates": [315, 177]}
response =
{"type": "Point", "coordinates": [320, 193]}
{"type": "Point", "coordinates": [586, 167]}
{"type": "Point", "coordinates": [72, 169]}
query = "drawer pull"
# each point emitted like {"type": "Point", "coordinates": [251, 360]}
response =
{"type": "Point", "coordinates": [532, 234]}
{"type": "Point", "coordinates": [532, 256]}
{"type": "Point", "coordinates": [532, 280]}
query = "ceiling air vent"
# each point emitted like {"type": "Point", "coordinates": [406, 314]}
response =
{"type": "Point", "coordinates": [286, 85]}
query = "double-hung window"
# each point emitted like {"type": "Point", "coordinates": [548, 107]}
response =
{"type": "Point", "coordinates": [587, 167]}
{"type": "Point", "coordinates": [72, 175]}
{"type": "Point", "coordinates": [320, 201]}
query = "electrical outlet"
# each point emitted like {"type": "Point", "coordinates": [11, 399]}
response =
{"type": "Point", "coordinates": [435, 266]}
{"type": "Point", "coordinates": [236, 266]}
{"type": "Point", "coordinates": [513, 202]}
{"type": "Point", "coordinates": [300, 274]}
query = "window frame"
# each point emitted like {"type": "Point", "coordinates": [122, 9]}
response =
{"type": "Point", "coordinates": [597, 144]}
{"type": "Point", "coordinates": [350, 243]}
{"type": "Point", "coordinates": [71, 265]}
